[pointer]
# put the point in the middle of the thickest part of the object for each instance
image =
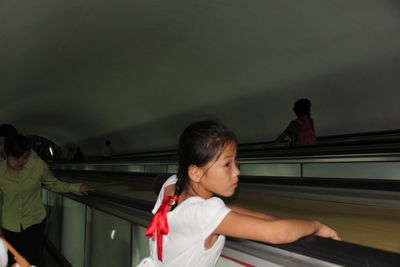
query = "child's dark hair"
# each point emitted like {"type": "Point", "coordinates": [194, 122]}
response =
{"type": "Point", "coordinates": [17, 145]}
{"type": "Point", "coordinates": [302, 107]}
{"type": "Point", "coordinates": [200, 143]}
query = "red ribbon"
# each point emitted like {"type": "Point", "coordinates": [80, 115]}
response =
{"type": "Point", "coordinates": [159, 224]}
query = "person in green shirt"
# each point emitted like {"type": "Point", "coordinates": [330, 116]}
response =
{"type": "Point", "coordinates": [23, 215]}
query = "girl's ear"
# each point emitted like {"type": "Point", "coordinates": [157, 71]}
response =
{"type": "Point", "coordinates": [195, 173]}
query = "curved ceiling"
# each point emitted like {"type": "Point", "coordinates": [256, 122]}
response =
{"type": "Point", "coordinates": [136, 72]}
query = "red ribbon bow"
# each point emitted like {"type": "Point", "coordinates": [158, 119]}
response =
{"type": "Point", "coordinates": [159, 224]}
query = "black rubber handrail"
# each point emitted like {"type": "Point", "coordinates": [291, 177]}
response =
{"type": "Point", "coordinates": [343, 253]}
{"type": "Point", "coordinates": [351, 183]}
{"type": "Point", "coordinates": [366, 142]}
{"type": "Point", "coordinates": [348, 183]}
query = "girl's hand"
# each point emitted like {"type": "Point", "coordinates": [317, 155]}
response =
{"type": "Point", "coordinates": [326, 231]}
{"type": "Point", "coordinates": [84, 189]}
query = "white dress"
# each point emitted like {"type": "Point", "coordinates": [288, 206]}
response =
{"type": "Point", "coordinates": [190, 224]}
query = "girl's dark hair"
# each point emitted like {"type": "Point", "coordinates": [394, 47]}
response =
{"type": "Point", "coordinates": [200, 143]}
{"type": "Point", "coordinates": [17, 145]}
{"type": "Point", "coordinates": [302, 107]}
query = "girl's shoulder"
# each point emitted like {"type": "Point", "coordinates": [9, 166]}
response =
{"type": "Point", "coordinates": [196, 200]}
{"type": "Point", "coordinates": [199, 206]}
{"type": "Point", "coordinates": [169, 182]}
{"type": "Point", "coordinates": [202, 215]}
{"type": "Point", "coordinates": [168, 187]}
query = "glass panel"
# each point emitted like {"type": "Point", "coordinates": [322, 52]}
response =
{"type": "Point", "coordinates": [155, 168]}
{"type": "Point", "coordinates": [108, 240]}
{"type": "Point", "coordinates": [54, 218]}
{"type": "Point", "coordinates": [136, 168]}
{"type": "Point", "coordinates": [365, 170]}
{"type": "Point", "coordinates": [172, 168]}
{"type": "Point", "coordinates": [44, 197]}
{"type": "Point", "coordinates": [276, 169]}
{"type": "Point", "coordinates": [140, 244]}
{"type": "Point", "coordinates": [119, 168]}
{"type": "Point", "coordinates": [90, 168]}
{"type": "Point", "coordinates": [73, 232]}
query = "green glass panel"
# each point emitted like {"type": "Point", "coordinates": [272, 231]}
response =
{"type": "Point", "coordinates": [363, 170]}
{"type": "Point", "coordinates": [155, 168]}
{"type": "Point", "coordinates": [140, 244]}
{"type": "Point", "coordinates": [108, 240]}
{"type": "Point", "coordinates": [172, 168]}
{"type": "Point", "coordinates": [54, 218]}
{"type": "Point", "coordinates": [273, 169]}
{"type": "Point", "coordinates": [73, 232]}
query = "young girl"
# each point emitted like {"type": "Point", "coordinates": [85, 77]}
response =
{"type": "Point", "coordinates": [190, 222]}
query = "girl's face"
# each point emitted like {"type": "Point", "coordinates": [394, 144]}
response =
{"type": "Point", "coordinates": [221, 176]}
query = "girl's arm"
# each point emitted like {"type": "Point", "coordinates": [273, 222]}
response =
{"type": "Point", "coordinates": [251, 213]}
{"type": "Point", "coordinates": [277, 231]}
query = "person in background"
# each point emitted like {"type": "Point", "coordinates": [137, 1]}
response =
{"type": "Point", "coordinates": [107, 150]}
{"type": "Point", "coordinates": [23, 215]}
{"type": "Point", "coordinates": [301, 130]}
{"type": "Point", "coordinates": [190, 221]}
{"type": "Point", "coordinates": [78, 156]}
{"type": "Point", "coordinates": [70, 154]}
{"type": "Point", "coordinates": [6, 130]}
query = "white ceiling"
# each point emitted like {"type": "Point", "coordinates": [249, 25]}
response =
{"type": "Point", "coordinates": [136, 72]}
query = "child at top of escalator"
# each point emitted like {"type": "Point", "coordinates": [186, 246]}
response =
{"type": "Point", "coordinates": [190, 221]}
{"type": "Point", "coordinates": [301, 130]}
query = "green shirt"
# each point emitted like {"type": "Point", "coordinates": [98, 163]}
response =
{"type": "Point", "coordinates": [22, 204]}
